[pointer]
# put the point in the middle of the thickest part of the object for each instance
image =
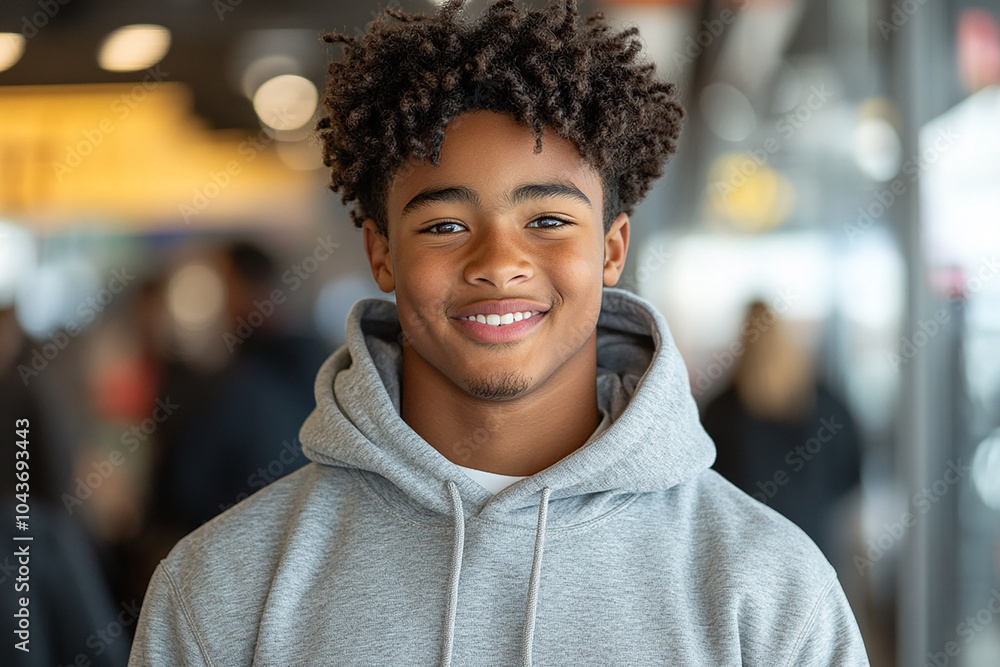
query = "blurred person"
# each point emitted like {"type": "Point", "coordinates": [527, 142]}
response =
{"type": "Point", "coordinates": [33, 387]}
{"type": "Point", "coordinates": [507, 465]}
{"type": "Point", "coordinates": [242, 434]}
{"type": "Point", "coordinates": [781, 435]}
{"type": "Point", "coordinates": [136, 386]}
{"type": "Point", "coordinates": [69, 601]}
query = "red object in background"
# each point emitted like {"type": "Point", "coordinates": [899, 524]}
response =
{"type": "Point", "coordinates": [978, 44]}
{"type": "Point", "coordinates": [947, 282]}
{"type": "Point", "coordinates": [125, 390]}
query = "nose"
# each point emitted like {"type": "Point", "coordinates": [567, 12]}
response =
{"type": "Point", "coordinates": [497, 257]}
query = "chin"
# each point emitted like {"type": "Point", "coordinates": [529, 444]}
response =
{"type": "Point", "coordinates": [499, 386]}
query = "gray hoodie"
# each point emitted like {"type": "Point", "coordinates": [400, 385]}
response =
{"type": "Point", "coordinates": [629, 551]}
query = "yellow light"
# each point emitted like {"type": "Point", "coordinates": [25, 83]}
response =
{"type": "Point", "coordinates": [286, 102]}
{"type": "Point", "coordinates": [11, 49]}
{"type": "Point", "coordinates": [748, 195]}
{"type": "Point", "coordinates": [91, 161]}
{"type": "Point", "coordinates": [134, 47]}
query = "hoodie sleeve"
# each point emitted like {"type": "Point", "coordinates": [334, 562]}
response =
{"type": "Point", "coordinates": [830, 635]}
{"type": "Point", "coordinates": [165, 634]}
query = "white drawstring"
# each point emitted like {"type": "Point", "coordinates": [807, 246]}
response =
{"type": "Point", "coordinates": [528, 637]}
{"type": "Point", "coordinates": [448, 640]}
{"type": "Point", "coordinates": [531, 605]}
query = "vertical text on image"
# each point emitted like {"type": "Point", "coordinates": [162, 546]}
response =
{"type": "Point", "coordinates": [22, 509]}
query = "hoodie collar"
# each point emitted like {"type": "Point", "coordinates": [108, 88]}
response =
{"type": "Point", "coordinates": [654, 442]}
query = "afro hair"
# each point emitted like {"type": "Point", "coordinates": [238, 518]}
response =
{"type": "Point", "coordinates": [396, 88]}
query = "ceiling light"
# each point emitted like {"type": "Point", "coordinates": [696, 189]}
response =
{"type": "Point", "coordinates": [134, 47]}
{"type": "Point", "coordinates": [264, 69]}
{"type": "Point", "coordinates": [11, 48]}
{"type": "Point", "coordinates": [196, 296]}
{"type": "Point", "coordinates": [286, 102]}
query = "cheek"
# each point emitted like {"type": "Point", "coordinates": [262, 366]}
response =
{"type": "Point", "coordinates": [579, 279]}
{"type": "Point", "coordinates": [414, 316]}
{"type": "Point", "coordinates": [580, 273]}
{"type": "Point", "coordinates": [418, 282]}
{"type": "Point", "coordinates": [422, 289]}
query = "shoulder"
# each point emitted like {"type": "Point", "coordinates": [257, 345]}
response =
{"type": "Point", "coordinates": [762, 571]}
{"type": "Point", "coordinates": [207, 596]}
{"type": "Point", "coordinates": [747, 538]}
{"type": "Point", "coordinates": [748, 560]}
{"type": "Point", "coordinates": [245, 543]}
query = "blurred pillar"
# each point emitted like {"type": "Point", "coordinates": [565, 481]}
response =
{"type": "Point", "coordinates": [919, 51]}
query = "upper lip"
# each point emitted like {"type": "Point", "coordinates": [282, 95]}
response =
{"type": "Point", "coordinates": [500, 307]}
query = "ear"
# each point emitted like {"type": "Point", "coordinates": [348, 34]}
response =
{"type": "Point", "coordinates": [377, 249]}
{"type": "Point", "coordinates": [615, 250]}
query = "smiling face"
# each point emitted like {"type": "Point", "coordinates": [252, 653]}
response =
{"type": "Point", "coordinates": [497, 231]}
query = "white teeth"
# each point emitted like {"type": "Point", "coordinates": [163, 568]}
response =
{"type": "Point", "coordinates": [498, 320]}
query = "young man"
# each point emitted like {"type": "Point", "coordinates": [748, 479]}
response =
{"type": "Point", "coordinates": [508, 466]}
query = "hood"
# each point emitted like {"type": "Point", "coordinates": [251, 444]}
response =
{"type": "Point", "coordinates": [655, 441]}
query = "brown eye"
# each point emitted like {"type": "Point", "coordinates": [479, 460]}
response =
{"type": "Point", "coordinates": [561, 223]}
{"type": "Point", "coordinates": [436, 228]}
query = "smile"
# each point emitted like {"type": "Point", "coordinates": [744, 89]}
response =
{"type": "Point", "coordinates": [505, 328]}
{"type": "Point", "coordinates": [506, 318]}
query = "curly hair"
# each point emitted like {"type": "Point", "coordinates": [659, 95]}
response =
{"type": "Point", "coordinates": [396, 88]}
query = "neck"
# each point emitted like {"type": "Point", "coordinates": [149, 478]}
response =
{"type": "Point", "coordinates": [520, 436]}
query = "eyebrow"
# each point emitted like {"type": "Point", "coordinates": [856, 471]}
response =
{"type": "Point", "coordinates": [460, 194]}
{"type": "Point", "coordinates": [535, 191]}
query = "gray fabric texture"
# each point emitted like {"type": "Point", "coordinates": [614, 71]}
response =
{"type": "Point", "coordinates": [629, 551]}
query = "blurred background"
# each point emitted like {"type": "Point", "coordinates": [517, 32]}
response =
{"type": "Point", "coordinates": [825, 246]}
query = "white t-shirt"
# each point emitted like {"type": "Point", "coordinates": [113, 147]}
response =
{"type": "Point", "coordinates": [495, 483]}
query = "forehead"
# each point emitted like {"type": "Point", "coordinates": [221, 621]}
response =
{"type": "Point", "coordinates": [493, 154]}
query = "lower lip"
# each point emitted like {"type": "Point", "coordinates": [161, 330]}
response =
{"type": "Point", "coordinates": [505, 333]}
